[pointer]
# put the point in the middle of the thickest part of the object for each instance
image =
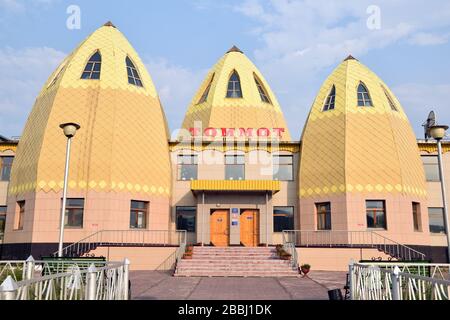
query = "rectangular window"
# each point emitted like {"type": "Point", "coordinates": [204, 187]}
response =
{"type": "Point", "coordinates": [187, 167]}
{"type": "Point", "coordinates": [185, 217]}
{"type": "Point", "coordinates": [5, 168]}
{"type": "Point", "coordinates": [416, 216]}
{"type": "Point", "coordinates": [283, 219]}
{"type": "Point", "coordinates": [74, 213]}
{"type": "Point", "coordinates": [138, 214]}
{"type": "Point", "coordinates": [376, 214]}
{"type": "Point", "coordinates": [2, 221]}
{"type": "Point", "coordinates": [283, 168]}
{"type": "Point", "coordinates": [431, 166]}
{"type": "Point", "coordinates": [234, 167]}
{"type": "Point", "coordinates": [323, 216]}
{"type": "Point", "coordinates": [436, 218]}
{"type": "Point", "coordinates": [20, 215]}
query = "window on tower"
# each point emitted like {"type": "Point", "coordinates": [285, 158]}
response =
{"type": "Point", "coordinates": [389, 99]}
{"type": "Point", "coordinates": [93, 67]}
{"type": "Point", "coordinates": [364, 99]}
{"type": "Point", "coordinates": [205, 94]}
{"type": "Point", "coordinates": [234, 86]}
{"type": "Point", "coordinates": [262, 91]}
{"type": "Point", "coordinates": [329, 103]}
{"type": "Point", "coordinates": [133, 74]}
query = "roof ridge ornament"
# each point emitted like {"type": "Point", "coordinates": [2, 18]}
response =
{"type": "Point", "coordinates": [350, 57]}
{"type": "Point", "coordinates": [234, 49]}
{"type": "Point", "coordinates": [109, 24]}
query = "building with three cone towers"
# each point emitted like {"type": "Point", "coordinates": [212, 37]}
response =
{"type": "Point", "coordinates": [233, 175]}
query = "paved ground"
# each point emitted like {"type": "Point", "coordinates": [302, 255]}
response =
{"type": "Point", "coordinates": [153, 285]}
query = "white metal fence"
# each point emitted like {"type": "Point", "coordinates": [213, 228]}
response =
{"type": "Point", "coordinates": [64, 280]}
{"type": "Point", "coordinates": [399, 282]}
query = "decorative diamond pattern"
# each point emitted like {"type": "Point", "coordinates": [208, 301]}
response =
{"type": "Point", "coordinates": [359, 149]}
{"type": "Point", "coordinates": [122, 143]}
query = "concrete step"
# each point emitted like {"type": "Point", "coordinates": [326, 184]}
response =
{"type": "Point", "coordinates": [234, 262]}
{"type": "Point", "coordinates": [227, 261]}
{"type": "Point", "coordinates": [237, 274]}
{"type": "Point", "coordinates": [246, 249]}
{"type": "Point", "coordinates": [231, 269]}
{"type": "Point", "coordinates": [232, 252]}
{"type": "Point", "coordinates": [223, 257]}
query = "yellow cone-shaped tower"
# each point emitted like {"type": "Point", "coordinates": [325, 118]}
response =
{"type": "Point", "coordinates": [235, 95]}
{"type": "Point", "coordinates": [358, 146]}
{"type": "Point", "coordinates": [119, 154]}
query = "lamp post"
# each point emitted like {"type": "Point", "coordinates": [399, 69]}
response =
{"type": "Point", "coordinates": [438, 133]}
{"type": "Point", "coordinates": [69, 130]}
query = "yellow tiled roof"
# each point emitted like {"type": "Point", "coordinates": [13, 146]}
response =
{"type": "Point", "coordinates": [358, 149]}
{"type": "Point", "coordinates": [122, 143]}
{"type": "Point", "coordinates": [247, 112]}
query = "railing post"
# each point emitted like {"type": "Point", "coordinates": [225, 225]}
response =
{"type": "Point", "coordinates": [91, 279]}
{"type": "Point", "coordinates": [330, 239]}
{"type": "Point", "coordinates": [396, 284]}
{"type": "Point", "coordinates": [350, 278]}
{"type": "Point", "coordinates": [29, 268]}
{"type": "Point", "coordinates": [307, 242]}
{"type": "Point", "coordinates": [126, 277]}
{"type": "Point", "coordinates": [8, 289]}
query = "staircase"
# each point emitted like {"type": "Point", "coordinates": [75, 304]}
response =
{"type": "Point", "coordinates": [234, 262]}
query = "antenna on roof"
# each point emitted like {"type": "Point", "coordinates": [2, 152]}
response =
{"type": "Point", "coordinates": [431, 121]}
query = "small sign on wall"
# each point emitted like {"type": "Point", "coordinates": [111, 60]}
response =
{"type": "Point", "coordinates": [234, 216]}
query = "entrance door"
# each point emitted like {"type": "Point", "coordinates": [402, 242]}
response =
{"type": "Point", "coordinates": [250, 228]}
{"type": "Point", "coordinates": [220, 228]}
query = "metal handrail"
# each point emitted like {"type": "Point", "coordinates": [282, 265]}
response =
{"type": "Point", "coordinates": [290, 248]}
{"type": "Point", "coordinates": [358, 239]}
{"type": "Point", "coordinates": [125, 237]}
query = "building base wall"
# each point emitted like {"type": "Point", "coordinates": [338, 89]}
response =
{"type": "Point", "coordinates": [435, 254]}
{"type": "Point", "coordinates": [338, 259]}
{"type": "Point", "coordinates": [21, 251]}
{"type": "Point", "coordinates": [335, 259]}
{"type": "Point", "coordinates": [141, 258]}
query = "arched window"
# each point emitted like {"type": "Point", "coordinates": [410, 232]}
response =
{"type": "Point", "coordinates": [389, 98]}
{"type": "Point", "coordinates": [93, 67]}
{"type": "Point", "coordinates": [234, 86]}
{"type": "Point", "coordinates": [262, 91]}
{"type": "Point", "coordinates": [329, 103]}
{"type": "Point", "coordinates": [205, 94]}
{"type": "Point", "coordinates": [133, 74]}
{"type": "Point", "coordinates": [364, 99]}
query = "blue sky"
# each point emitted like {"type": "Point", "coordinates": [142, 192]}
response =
{"type": "Point", "coordinates": [295, 44]}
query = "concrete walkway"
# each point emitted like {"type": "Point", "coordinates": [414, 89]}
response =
{"type": "Point", "coordinates": [152, 285]}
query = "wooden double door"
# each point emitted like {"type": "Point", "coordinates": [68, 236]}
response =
{"type": "Point", "coordinates": [220, 228]}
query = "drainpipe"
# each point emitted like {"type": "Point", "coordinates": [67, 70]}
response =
{"type": "Point", "coordinates": [203, 218]}
{"type": "Point", "coordinates": [267, 219]}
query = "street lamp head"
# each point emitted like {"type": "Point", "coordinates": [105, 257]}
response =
{"type": "Point", "coordinates": [69, 129]}
{"type": "Point", "coordinates": [438, 131]}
